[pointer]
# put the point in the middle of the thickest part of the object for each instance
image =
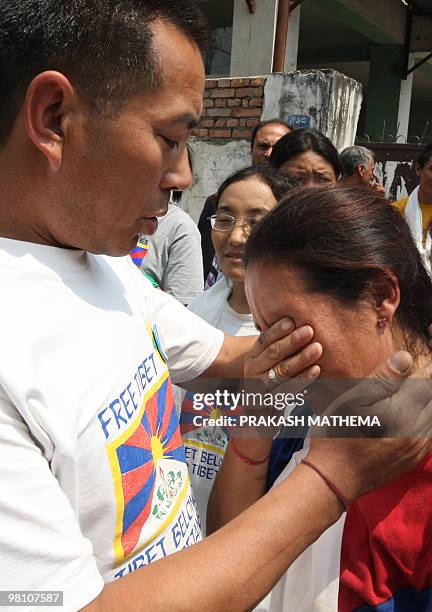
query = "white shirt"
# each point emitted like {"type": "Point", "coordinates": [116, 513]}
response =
{"type": "Point", "coordinates": [93, 474]}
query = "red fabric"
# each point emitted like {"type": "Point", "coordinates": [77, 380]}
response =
{"type": "Point", "coordinates": [387, 541]}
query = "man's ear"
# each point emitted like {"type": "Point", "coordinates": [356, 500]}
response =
{"type": "Point", "coordinates": [47, 101]}
{"type": "Point", "coordinates": [418, 169]}
{"type": "Point", "coordinates": [361, 169]}
{"type": "Point", "coordinates": [386, 295]}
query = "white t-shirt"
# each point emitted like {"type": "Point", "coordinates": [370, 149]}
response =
{"type": "Point", "coordinates": [205, 447]}
{"type": "Point", "coordinates": [92, 468]}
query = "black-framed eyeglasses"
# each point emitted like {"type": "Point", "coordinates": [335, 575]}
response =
{"type": "Point", "coordinates": [226, 223]}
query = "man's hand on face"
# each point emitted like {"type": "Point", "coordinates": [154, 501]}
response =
{"type": "Point", "coordinates": [283, 353]}
{"type": "Point", "coordinates": [403, 405]}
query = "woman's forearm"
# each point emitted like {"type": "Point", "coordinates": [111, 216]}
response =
{"type": "Point", "coordinates": [238, 484]}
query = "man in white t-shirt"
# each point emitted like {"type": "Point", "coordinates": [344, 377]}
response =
{"type": "Point", "coordinates": [97, 101]}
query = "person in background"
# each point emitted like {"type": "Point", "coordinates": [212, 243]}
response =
{"type": "Point", "coordinates": [242, 201]}
{"type": "Point", "coordinates": [264, 136]}
{"type": "Point", "coordinates": [308, 155]}
{"type": "Point", "coordinates": [417, 208]}
{"type": "Point", "coordinates": [358, 169]}
{"type": "Point", "coordinates": [173, 257]}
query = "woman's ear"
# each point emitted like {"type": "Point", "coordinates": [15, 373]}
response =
{"type": "Point", "coordinates": [386, 295]}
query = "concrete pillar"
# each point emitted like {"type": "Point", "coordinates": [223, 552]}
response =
{"type": "Point", "coordinates": [405, 103]}
{"type": "Point", "coordinates": [323, 99]}
{"type": "Point", "coordinates": [214, 160]}
{"type": "Point", "coordinates": [384, 91]}
{"type": "Point", "coordinates": [253, 38]}
{"type": "Point", "coordinates": [292, 41]}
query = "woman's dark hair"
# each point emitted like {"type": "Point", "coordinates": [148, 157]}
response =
{"type": "Point", "coordinates": [302, 140]}
{"type": "Point", "coordinates": [345, 241]}
{"type": "Point", "coordinates": [278, 182]}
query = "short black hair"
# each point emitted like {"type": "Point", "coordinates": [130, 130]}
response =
{"type": "Point", "coordinates": [424, 155]}
{"type": "Point", "coordinates": [103, 46]}
{"type": "Point", "coordinates": [278, 182]}
{"type": "Point", "coordinates": [262, 124]}
{"type": "Point", "coordinates": [302, 140]}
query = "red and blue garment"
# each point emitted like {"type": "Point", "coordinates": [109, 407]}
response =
{"type": "Point", "coordinates": [386, 557]}
{"type": "Point", "coordinates": [385, 544]}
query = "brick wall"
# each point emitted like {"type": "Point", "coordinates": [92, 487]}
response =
{"type": "Point", "coordinates": [232, 108]}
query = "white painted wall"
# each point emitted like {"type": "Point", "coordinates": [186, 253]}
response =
{"type": "Point", "coordinates": [405, 102]}
{"type": "Point", "coordinates": [385, 171]}
{"type": "Point", "coordinates": [331, 100]}
{"type": "Point", "coordinates": [213, 162]}
{"type": "Point", "coordinates": [291, 50]}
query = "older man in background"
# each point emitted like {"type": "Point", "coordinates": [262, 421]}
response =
{"type": "Point", "coordinates": [358, 168]}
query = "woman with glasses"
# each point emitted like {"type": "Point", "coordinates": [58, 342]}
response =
{"type": "Point", "coordinates": [242, 201]}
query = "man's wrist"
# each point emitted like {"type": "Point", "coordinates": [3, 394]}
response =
{"type": "Point", "coordinates": [347, 477]}
{"type": "Point", "coordinates": [329, 482]}
{"type": "Point", "coordinates": [317, 496]}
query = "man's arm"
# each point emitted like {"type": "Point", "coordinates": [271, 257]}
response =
{"type": "Point", "coordinates": [195, 349]}
{"type": "Point", "coordinates": [254, 549]}
{"type": "Point", "coordinates": [258, 546]}
{"type": "Point", "coordinates": [291, 350]}
{"type": "Point", "coordinates": [230, 361]}
{"type": "Point", "coordinates": [238, 484]}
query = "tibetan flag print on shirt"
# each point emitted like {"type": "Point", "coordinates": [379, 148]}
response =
{"type": "Point", "coordinates": [140, 251]}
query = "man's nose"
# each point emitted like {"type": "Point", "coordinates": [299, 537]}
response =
{"type": "Point", "coordinates": [179, 176]}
